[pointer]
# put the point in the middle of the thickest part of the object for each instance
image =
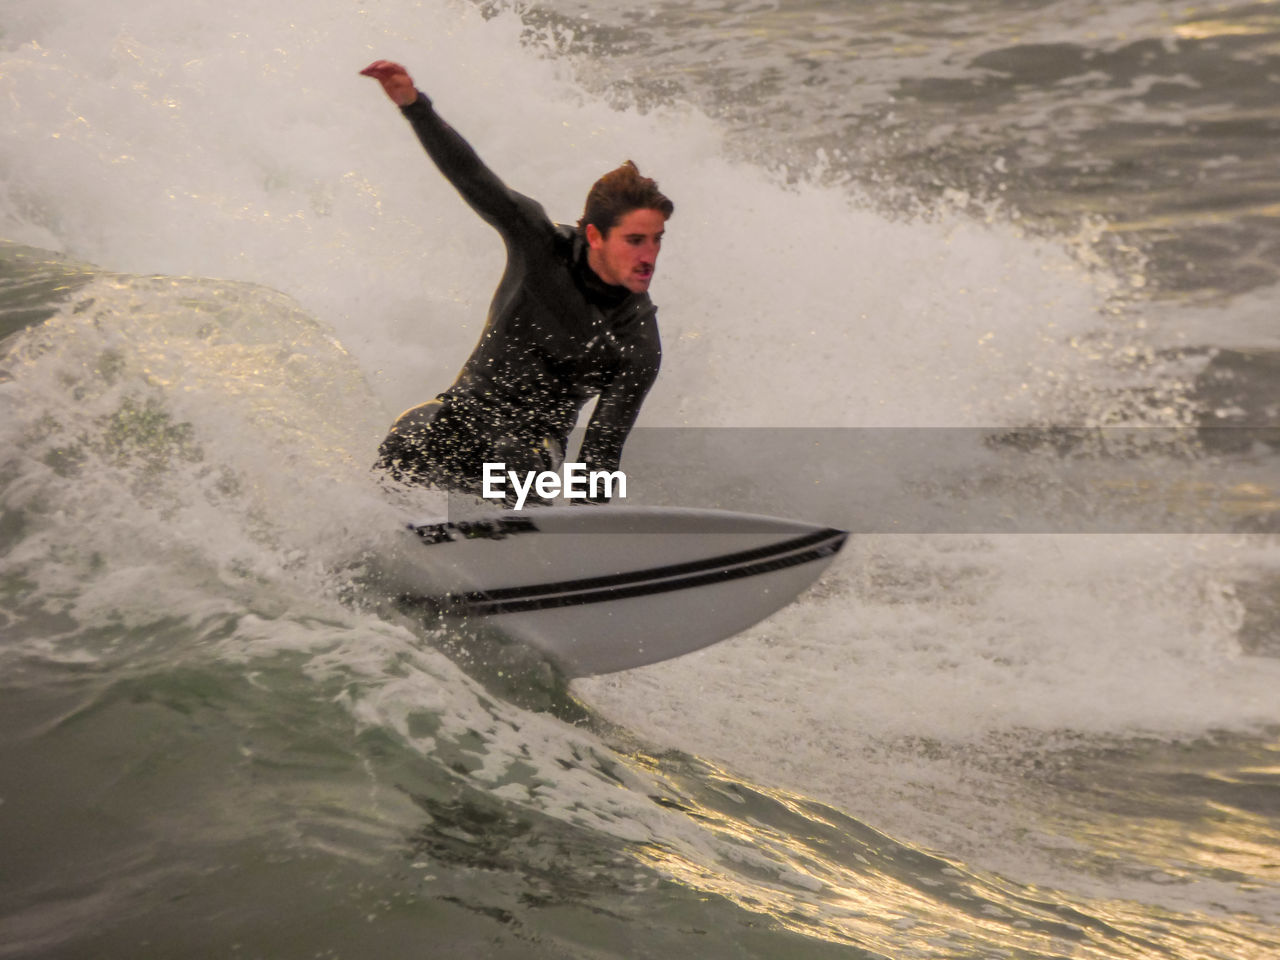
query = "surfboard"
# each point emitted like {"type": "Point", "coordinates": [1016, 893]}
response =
{"type": "Point", "coordinates": [598, 589]}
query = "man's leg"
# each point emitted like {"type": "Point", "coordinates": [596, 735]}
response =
{"type": "Point", "coordinates": [430, 444]}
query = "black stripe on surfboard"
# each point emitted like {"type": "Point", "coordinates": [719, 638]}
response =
{"type": "Point", "coordinates": [650, 573]}
{"type": "Point", "coordinates": [635, 576]}
{"type": "Point", "coordinates": [648, 588]}
{"type": "Point", "coordinates": [684, 576]}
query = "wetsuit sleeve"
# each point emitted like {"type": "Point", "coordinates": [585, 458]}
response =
{"type": "Point", "coordinates": [510, 213]}
{"type": "Point", "coordinates": [619, 403]}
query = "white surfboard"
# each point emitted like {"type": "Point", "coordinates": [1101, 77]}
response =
{"type": "Point", "coordinates": [607, 588]}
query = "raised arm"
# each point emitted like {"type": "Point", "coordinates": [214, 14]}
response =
{"type": "Point", "coordinates": [509, 212]}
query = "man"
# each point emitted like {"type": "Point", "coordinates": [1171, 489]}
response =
{"type": "Point", "coordinates": [571, 319]}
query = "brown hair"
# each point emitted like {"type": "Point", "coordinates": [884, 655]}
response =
{"type": "Point", "coordinates": [619, 192]}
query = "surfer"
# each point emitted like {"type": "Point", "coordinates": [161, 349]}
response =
{"type": "Point", "coordinates": [571, 319]}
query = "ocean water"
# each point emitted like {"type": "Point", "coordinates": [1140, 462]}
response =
{"type": "Point", "coordinates": [1032, 243]}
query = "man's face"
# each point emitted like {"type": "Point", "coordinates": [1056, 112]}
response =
{"type": "Point", "coordinates": [626, 257]}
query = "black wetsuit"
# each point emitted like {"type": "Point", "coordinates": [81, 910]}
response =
{"type": "Point", "coordinates": [556, 336]}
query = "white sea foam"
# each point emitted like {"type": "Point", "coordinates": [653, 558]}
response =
{"type": "Point", "coordinates": [241, 143]}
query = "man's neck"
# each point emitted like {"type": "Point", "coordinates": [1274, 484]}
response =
{"type": "Point", "coordinates": [599, 290]}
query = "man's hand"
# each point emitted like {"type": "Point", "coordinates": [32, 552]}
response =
{"type": "Point", "coordinates": [395, 81]}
